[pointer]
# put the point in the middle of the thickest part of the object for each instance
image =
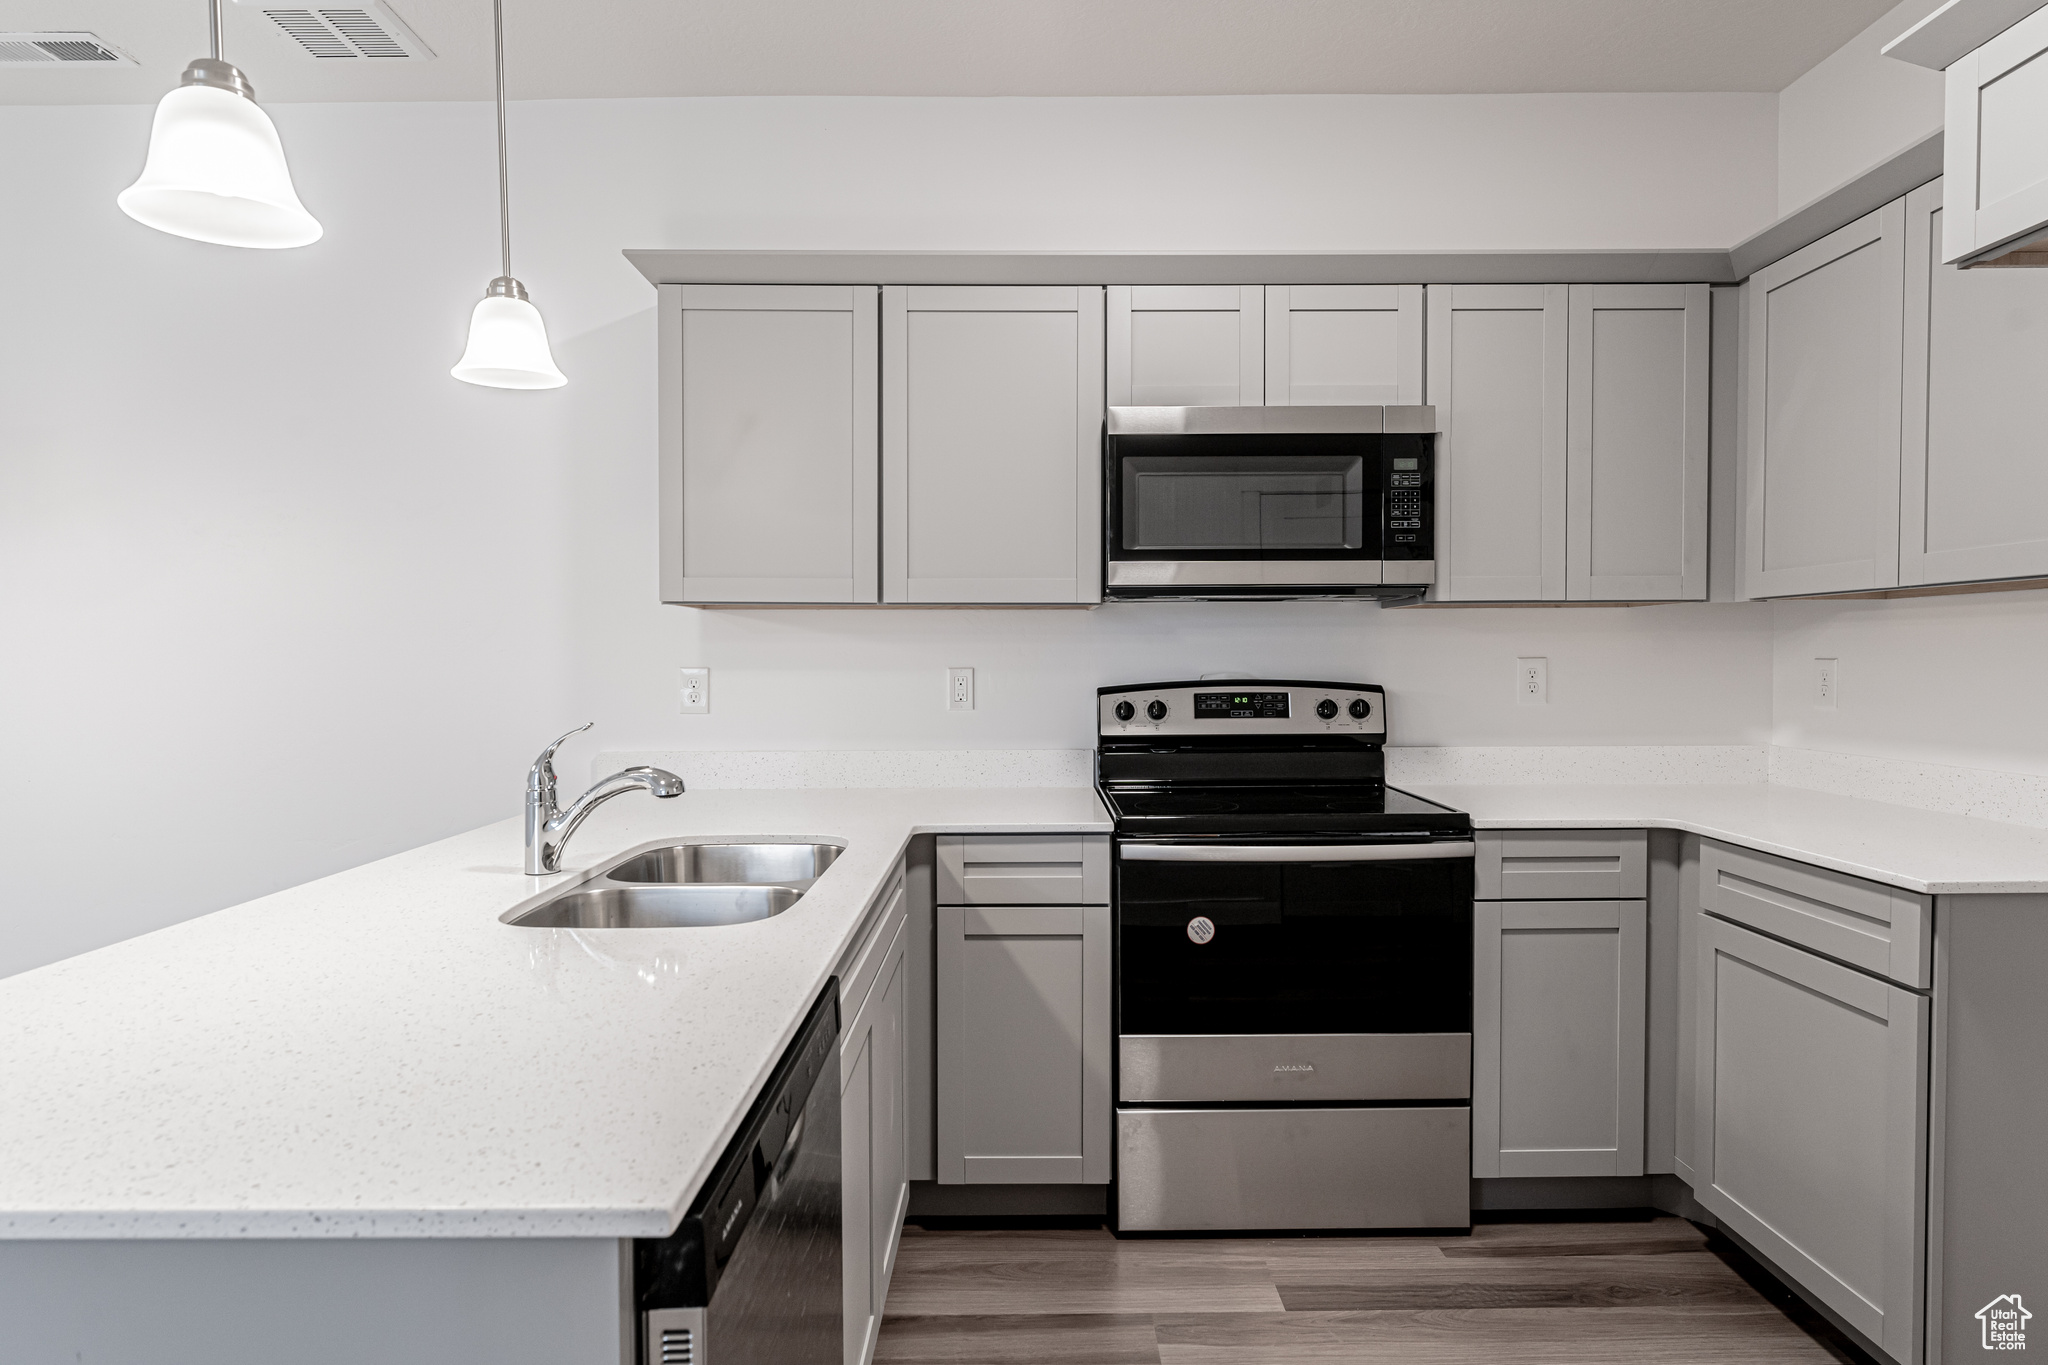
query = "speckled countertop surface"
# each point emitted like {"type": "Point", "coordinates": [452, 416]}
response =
{"type": "Point", "coordinates": [375, 1055]}
{"type": "Point", "coordinates": [1915, 849]}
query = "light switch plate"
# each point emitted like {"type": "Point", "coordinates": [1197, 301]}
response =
{"type": "Point", "coordinates": [696, 690]}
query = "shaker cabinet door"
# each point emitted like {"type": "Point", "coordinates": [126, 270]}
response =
{"type": "Point", "coordinates": [1343, 344]}
{"type": "Point", "coordinates": [1558, 1037]}
{"type": "Point", "coordinates": [1996, 158]}
{"type": "Point", "coordinates": [1974, 497]}
{"type": "Point", "coordinates": [1825, 341]}
{"type": "Point", "coordinates": [1497, 363]}
{"type": "Point", "coordinates": [768, 443]}
{"type": "Point", "coordinates": [1023, 1041]}
{"type": "Point", "coordinates": [1811, 1124]}
{"type": "Point", "coordinates": [1637, 464]}
{"type": "Point", "coordinates": [1186, 346]}
{"type": "Point", "coordinates": [992, 444]}
{"type": "Point", "coordinates": [875, 1188]}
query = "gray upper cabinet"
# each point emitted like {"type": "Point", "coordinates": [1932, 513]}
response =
{"type": "Point", "coordinates": [1343, 344]}
{"type": "Point", "coordinates": [1810, 1112]}
{"type": "Point", "coordinates": [1822, 468]}
{"type": "Point", "coordinates": [1997, 160]}
{"type": "Point", "coordinates": [1497, 367]}
{"type": "Point", "coordinates": [992, 403]}
{"type": "Point", "coordinates": [1637, 448]}
{"type": "Point", "coordinates": [1185, 346]}
{"type": "Point", "coordinates": [1976, 402]}
{"type": "Point", "coordinates": [767, 443]}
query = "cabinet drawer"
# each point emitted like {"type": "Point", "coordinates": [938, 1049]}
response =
{"type": "Point", "coordinates": [1023, 869]}
{"type": "Point", "coordinates": [857, 969]}
{"type": "Point", "coordinates": [1878, 928]}
{"type": "Point", "coordinates": [1561, 864]}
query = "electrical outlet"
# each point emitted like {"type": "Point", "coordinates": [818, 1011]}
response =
{"type": "Point", "coordinates": [1825, 684]}
{"type": "Point", "coordinates": [1532, 682]}
{"type": "Point", "coordinates": [959, 689]}
{"type": "Point", "coordinates": [696, 690]}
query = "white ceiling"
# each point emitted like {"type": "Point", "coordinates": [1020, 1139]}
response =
{"type": "Point", "coordinates": [565, 49]}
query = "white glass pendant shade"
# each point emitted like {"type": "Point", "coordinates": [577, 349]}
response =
{"type": "Point", "coordinates": [216, 173]}
{"type": "Point", "coordinates": [508, 344]}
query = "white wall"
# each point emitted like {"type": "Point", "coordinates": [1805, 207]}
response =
{"type": "Point", "coordinates": [1854, 110]}
{"type": "Point", "coordinates": [1936, 679]}
{"type": "Point", "coordinates": [278, 596]}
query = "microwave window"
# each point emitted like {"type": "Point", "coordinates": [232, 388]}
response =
{"type": "Point", "coordinates": [1195, 502]}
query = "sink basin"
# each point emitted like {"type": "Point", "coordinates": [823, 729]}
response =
{"type": "Point", "coordinates": [729, 864]}
{"type": "Point", "coordinates": [600, 906]}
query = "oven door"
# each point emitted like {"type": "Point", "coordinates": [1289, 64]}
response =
{"type": "Point", "coordinates": [1293, 972]}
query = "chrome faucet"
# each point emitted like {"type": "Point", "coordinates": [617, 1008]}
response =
{"type": "Point", "coordinates": [548, 826]}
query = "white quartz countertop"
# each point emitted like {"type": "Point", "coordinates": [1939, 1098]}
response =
{"type": "Point", "coordinates": [375, 1055]}
{"type": "Point", "coordinates": [1914, 849]}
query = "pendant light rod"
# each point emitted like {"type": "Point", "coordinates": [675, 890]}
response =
{"type": "Point", "coordinates": [504, 171]}
{"type": "Point", "coordinates": [213, 27]}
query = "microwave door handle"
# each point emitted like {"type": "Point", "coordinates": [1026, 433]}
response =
{"type": "Point", "coordinates": [1292, 853]}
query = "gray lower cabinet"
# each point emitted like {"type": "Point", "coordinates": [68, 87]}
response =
{"type": "Point", "coordinates": [1974, 482]}
{"type": "Point", "coordinates": [992, 444]}
{"type": "Point", "coordinates": [1810, 1107]}
{"type": "Point", "coordinates": [874, 1120]}
{"type": "Point", "coordinates": [1022, 1034]}
{"type": "Point", "coordinates": [1822, 468]}
{"type": "Point", "coordinates": [768, 443]}
{"type": "Point", "coordinates": [1557, 1037]}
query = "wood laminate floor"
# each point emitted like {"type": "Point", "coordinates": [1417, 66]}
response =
{"type": "Point", "coordinates": [1548, 1293]}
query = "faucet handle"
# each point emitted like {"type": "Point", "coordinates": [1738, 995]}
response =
{"type": "Point", "coordinates": [543, 773]}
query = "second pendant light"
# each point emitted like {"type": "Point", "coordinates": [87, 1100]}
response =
{"type": "Point", "coordinates": [508, 342]}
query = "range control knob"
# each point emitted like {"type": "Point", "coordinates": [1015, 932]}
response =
{"type": "Point", "coordinates": [1156, 710]}
{"type": "Point", "coordinates": [1124, 710]}
{"type": "Point", "coordinates": [1326, 708]}
{"type": "Point", "coordinates": [1360, 709]}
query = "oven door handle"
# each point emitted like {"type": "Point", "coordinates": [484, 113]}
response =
{"type": "Point", "coordinates": [1293, 853]}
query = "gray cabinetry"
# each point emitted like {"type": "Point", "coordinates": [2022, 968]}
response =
{"type": "Point", "coordinates": [1996, 158]}
{"type": "Point", "coordinates": [1811, 1120]}
{"type": "Point", "coordinates": [1825, 336]}
{"type": "Point", "coordinates": [1343, 344]}
{"type": "Point", "coordinates": [1497, 367]}
{"type": "Point", "coordinates": [992, 444]}
{"type": "Point", "coordinates": [1637, 446]}
{"type": "Point", "coordinates": [874, 1144]}
{"type": "Point", "coordinates": [1183, 346]}
{"type": "Point", "coordinates": [1023, 1029]}
{"type": "Point", "coordinates": [767, 443]}
{"type": "Point", "coordinates": [1974, 484]}
{"type": "Point", "coordinates": [1559, 1025]}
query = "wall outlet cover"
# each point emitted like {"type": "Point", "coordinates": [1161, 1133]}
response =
{"type": "Point", "coordinates": [1532, 682]}
{"type": "Point", "coordinates": [696, 690]}
{"type": "Point", "coordinates": [1826, 683]}
{"type": "Point", "coordinates": [959, 689]}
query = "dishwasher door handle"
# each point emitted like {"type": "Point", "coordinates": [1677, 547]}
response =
{"type": "Point", "coordinates": [1293, 853]}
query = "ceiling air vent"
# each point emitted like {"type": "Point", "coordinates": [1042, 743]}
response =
{"type": "Point", "coordinates": [369, 29]}
{"type": "Point", "coordinates": [52, 49]}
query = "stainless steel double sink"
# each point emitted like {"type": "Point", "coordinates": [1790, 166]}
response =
{"type": "Point", "coordinates": [681, 886]}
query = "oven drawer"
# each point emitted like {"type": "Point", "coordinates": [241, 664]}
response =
{"type": "Point", "coordinates": [1023, 869]}
{"type": "Point", "coordinates": [1878, 928]}
{"type": "Point", "coordinates": [1251, 1169]}
{"type": "Point", "coordinates": [1561, 864]}
{"type": "Point", "coordinates": [1282, 1067]}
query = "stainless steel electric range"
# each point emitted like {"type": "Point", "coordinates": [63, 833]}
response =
{"type": "Point", "coordinates": [1293, 965]}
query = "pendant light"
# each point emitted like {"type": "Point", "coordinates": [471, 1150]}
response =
{"type": "Point", "coordinates": [216, 171]}
{"type": "Point", "coordinates": [508, 342]}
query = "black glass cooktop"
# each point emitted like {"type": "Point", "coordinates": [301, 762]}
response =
{"type": "Point", "coordinates": [1219, 809]}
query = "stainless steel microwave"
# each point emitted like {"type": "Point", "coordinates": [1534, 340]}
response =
{"type": "Point", "coordinates": [1275, 502]}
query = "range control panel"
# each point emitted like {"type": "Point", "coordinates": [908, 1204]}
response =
{"type": "Point", "coordinates": [1246, 708]}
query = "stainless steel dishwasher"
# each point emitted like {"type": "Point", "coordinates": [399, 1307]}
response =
{"type": "Point", "coordinates": [751, 1276]}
